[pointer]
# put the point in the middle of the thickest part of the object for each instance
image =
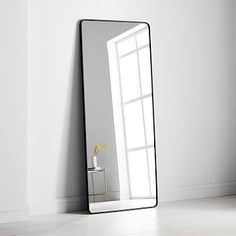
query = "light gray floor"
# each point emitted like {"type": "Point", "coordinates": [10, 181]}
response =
{"type": "Point", "coordinates": [205, 217]}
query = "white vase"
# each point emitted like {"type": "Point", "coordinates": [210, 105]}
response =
{"type": "Point", "coordinates": [95, 162]}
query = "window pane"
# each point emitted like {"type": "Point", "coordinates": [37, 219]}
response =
{"type": "Point", "coordinates": [138, 172]}
{"type": "Point", "coordinates": [151, 163]}
{"type": "Point", "coordinates": [126, 45]}
{"type": "Point", "coordinates": [129, 77]}
{"type": "Point", "coordinates": [134, 124]}
{"type": "Point", "coordinates": [145, 70]}
{"type": "Point", "coordinates": [143, 38]}
{"type": "Point", "coordinates": [148, 116]}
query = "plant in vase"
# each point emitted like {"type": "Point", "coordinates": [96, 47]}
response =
{"type": "Point", "coordinates": [96, 150]}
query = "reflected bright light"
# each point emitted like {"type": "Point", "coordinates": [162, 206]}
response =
{"type": "Point", "coordinates": [130, 74]}
{"type": "Point", "coordinates": [145, 70]}
{"type": "Point", "coordinates": [139, 176]}
{"type": "Point", "coordinates": [134, 125]}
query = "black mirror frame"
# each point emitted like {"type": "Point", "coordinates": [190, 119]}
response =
{"type": "Point", "coordinates": [84, 114]}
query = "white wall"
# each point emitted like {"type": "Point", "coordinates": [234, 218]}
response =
{"type": "Point", "coordinates": [193, 44]}
{"type": "Point", "coordinates": [13, 180]}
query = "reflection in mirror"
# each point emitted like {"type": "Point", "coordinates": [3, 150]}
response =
{"type": "Point", "coordinates": [120, 147]}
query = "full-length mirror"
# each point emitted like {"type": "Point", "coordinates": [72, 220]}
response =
{"type": "Point", "coordinates": [119, 116]}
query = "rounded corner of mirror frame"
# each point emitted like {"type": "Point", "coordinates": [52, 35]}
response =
{"type": "Point", "coordinates": [80, 21]}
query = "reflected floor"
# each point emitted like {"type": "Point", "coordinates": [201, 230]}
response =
{"type": "Point", "coordinates": [120, 205]}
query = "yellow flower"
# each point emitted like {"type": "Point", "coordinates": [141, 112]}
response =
{"type": "Point", "coordinates": [97, 148]}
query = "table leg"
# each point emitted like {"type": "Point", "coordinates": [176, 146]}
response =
{"type": "Point", "coordinates": [93, 188]}
{"type": "Point", "coordinates": [105, 184]}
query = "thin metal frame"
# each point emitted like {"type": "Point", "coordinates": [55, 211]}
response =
{"type": "Point", "coordinates": [84, 109]}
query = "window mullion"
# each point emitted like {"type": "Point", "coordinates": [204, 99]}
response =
{"type": "Point", "coordinates": [133, 51]}
{"type": "Point", "coordinates": [137, 99]}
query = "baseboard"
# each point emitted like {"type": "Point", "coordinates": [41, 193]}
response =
{"type": "Point", "coordinates": [79, 203]}
{"type": "Point", "coordinates": [69, 204]}
{"type": "Point", "coordinates": [197, 191]}
{"type": "Point", "coordinates": [14, 214]}
{"type": "Point", "coordinates": [111, 196]}
{"type": "Point", "coordinates": [184, 192]}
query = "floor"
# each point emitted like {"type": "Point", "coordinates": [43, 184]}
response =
{"type": "Point", "coordinates": [123, 204]}
{"type": "Point", "coordinates": [205, 217]}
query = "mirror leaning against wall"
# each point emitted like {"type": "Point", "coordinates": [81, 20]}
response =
{"type": "Point", "coordinates": [119, 115]}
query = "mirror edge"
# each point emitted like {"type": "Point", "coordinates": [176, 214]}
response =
{"type": "Point", "coordinates": [84, 113]}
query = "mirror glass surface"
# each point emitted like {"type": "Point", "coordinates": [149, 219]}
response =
{"type": "Point", "coordinates": [119, 119]}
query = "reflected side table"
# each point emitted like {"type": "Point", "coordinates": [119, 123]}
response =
{"type": "Point", "coordinates": [93, 171]}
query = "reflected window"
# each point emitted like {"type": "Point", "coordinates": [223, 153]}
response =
{"type": "Point", "coordinates": [130, 71]}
